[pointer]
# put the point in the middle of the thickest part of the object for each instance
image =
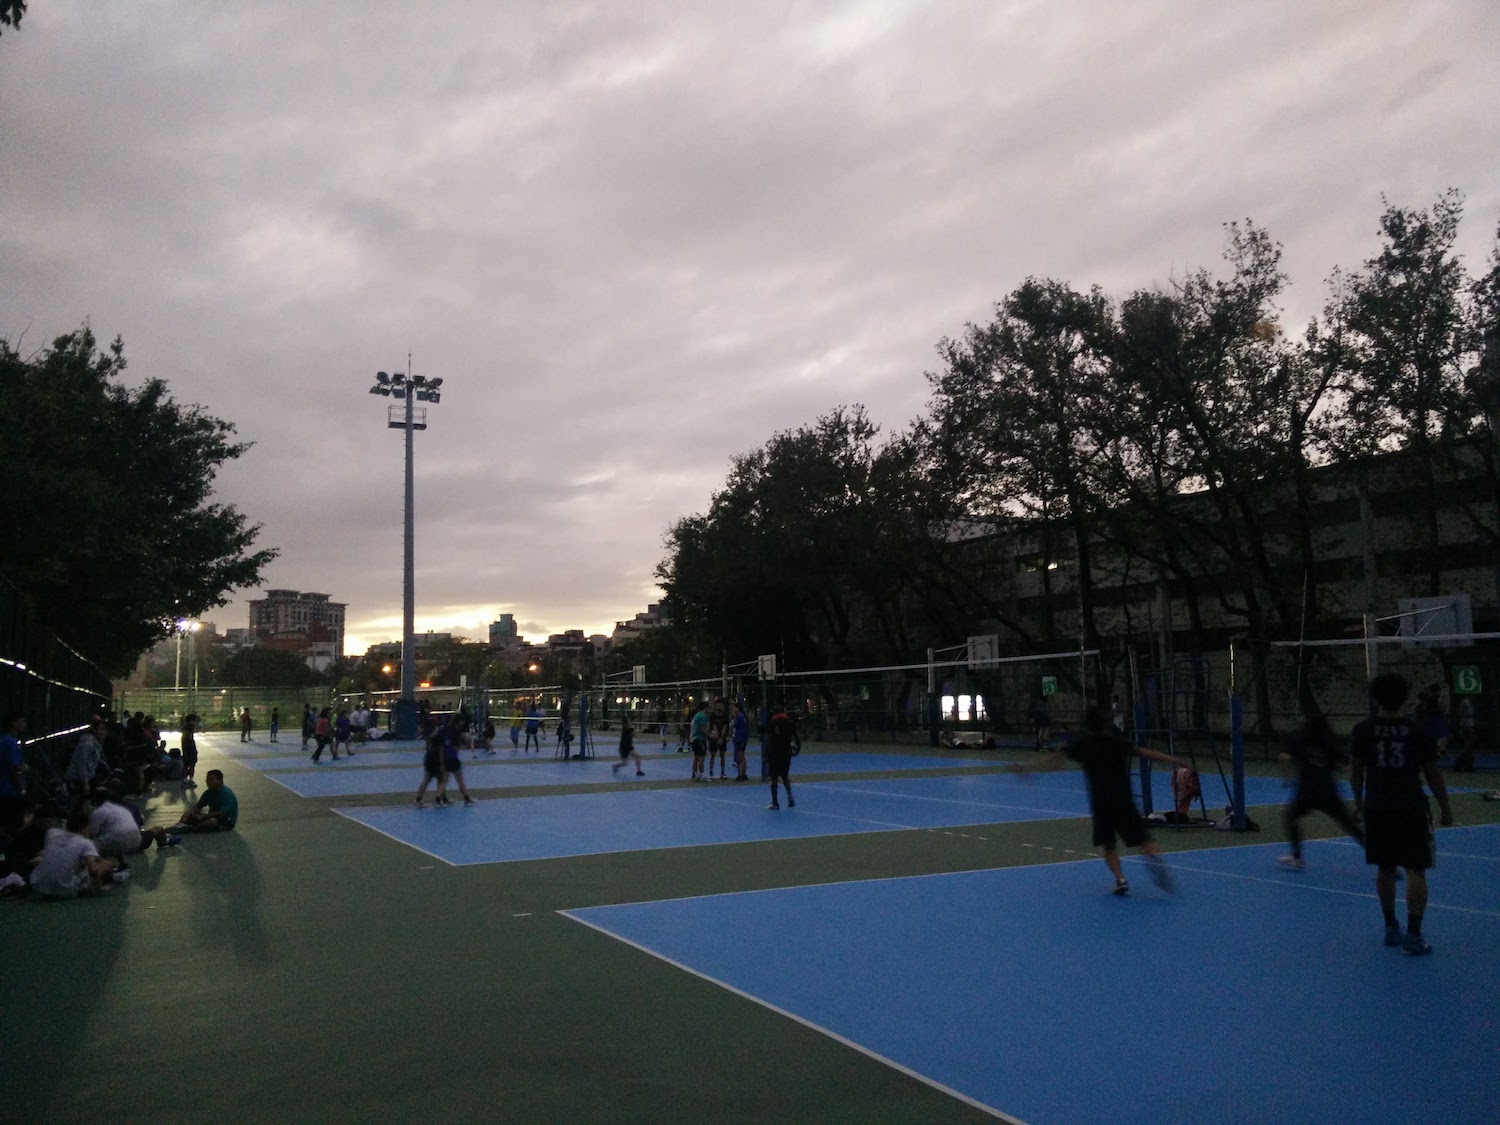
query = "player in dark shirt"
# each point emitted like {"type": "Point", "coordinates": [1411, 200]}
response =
{"type": "Point", "coordinates": [1316, 751]}
{"type": "Point", "coordinates": [1392, 754]}
{"type": "Point", "coordinates": [1106, 760]}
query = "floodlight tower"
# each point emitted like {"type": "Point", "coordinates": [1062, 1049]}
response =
{"type": "Point", "coordinates": [411, 388]}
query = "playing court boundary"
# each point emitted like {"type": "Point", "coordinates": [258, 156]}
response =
{"type": "Point", "coordinates": [414, 847]}
{"type": "Point", "coordinates": [835, 1036]}
{"type": "Point", "coordinates": [899, 1067]}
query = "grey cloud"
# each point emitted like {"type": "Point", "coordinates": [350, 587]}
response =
{"type": "Point", "coordinates": [637, 241]}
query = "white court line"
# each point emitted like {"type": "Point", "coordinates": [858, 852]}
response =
{"type": "Point", "coordinates": [835, 1036]}
{"type": "Point", "coordinates": [845, 787]}
{"type": "Point", "coordinates": [1308, 886]}
{"type": "Point", "coordinates": [807, 813]}
{"type": "Point", "coordinates": [398, 839]}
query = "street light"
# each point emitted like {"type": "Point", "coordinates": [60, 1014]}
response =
{"type": "Point", "coordinates": [183, 626]}
{"type": "Point", "coordinates": [419, 388]}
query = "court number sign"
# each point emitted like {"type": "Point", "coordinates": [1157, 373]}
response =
{"type": "Point", "coordinates": [1466, 680]}
{"type": "Point", "coordinates": [1049, 685]}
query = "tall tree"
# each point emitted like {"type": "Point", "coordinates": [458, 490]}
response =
{"type": "Point", "coordinates": [1410, 334]}
{"type": "Point", "coordinates": [110, 525]}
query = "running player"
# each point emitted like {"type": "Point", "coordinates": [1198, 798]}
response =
{"type": "Point", "coordinates": [627, 748]}
{"type": "Point", "coordinates": [1392, 754]}
{"type": "Point", "coordinates": [1105, 759]}
{"type": "Point", "coordinates": [1317, 753]}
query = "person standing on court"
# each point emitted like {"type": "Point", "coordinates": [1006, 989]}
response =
{"type": "Point", "coordinates": [245, 725]}
{"type": "Point", "coordinates": [718, 739]}
{"type": "Point", "coordinates": [1392, 754]}
{"type": "Point", "coordinates": [780, 747]}
{"type": "Point", "coordinates": [698, 735]}
{"type": "Point", "coordinates": [309, 724]}
{"type": "Point", "coordinates": [533, 728]}
{"type": "Point", "coordinates": [1317, 753]}
{"type": "Point", "coordinates": [1106, 760]}
{"type": "Point", "coordinates": [739, 731]}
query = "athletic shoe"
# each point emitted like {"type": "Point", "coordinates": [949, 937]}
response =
{"type": "Point", "coordinates": [774, 805]}
{"type": "Point", "coordinates": [1416, 945]}
{"type": "Point", "coordinates": [640, 773]}
{"type": "Point", "coordinates": [168, 841]}
{"type": "Point", "coordinates": [120, 876]}
{"type": "Point", "coordinates": [1393, 935]}
{"type": "Point", "coordinates": [790, 802]}
{"type": "Point", "coordinates": [1122, 887]}
{"type": "Point", "coordinates": [419, 804]}
{"type": "Point", "coordinates": [1291, 862]}
{"type": "Point", "coordinates": [468, 800]}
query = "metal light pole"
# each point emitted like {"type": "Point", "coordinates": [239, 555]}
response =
{"type": "Point", "coordinates": [408, 387]}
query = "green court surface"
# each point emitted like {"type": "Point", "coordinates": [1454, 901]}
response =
{"type": "Point", "coordinates": [305, 968]}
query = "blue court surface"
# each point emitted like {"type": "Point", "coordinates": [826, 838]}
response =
{"type": "Point", "coordinates": [1251, 995]}
{"type": "Point", "coordinates": [347, 779]}
{"type": "Point", "coordinates": [573, 824]}
{"type": "Point", "coordinates": [410, 758]}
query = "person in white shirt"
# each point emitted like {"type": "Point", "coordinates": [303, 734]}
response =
{"type": "Point", "coordinates": [116, 831]}
{"type": "Point", "coordinates": [70, 862]}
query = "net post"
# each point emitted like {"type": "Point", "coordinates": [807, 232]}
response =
{"type": "Point", "coordinates": [932, 699]}
{"type": "Point", "coordinates": [1237, 757]}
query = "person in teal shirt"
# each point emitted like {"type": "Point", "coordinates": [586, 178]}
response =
{"type": "Point", "coordinates": [216, 811]}
{"type": "Point", "coordinates": [699, 735]}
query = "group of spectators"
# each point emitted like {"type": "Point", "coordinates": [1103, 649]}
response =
{"type": "Point", "coordinates": [60, 837]}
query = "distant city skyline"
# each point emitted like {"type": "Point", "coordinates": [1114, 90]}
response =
{"type": "Point", "coordinates": [636, 241]}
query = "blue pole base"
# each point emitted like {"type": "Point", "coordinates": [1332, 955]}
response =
{"type": "Point", "coordinates": [405, 720]}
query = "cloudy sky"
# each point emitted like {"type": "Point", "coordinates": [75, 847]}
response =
{"type": "Point", "coordinates": [636, 239]}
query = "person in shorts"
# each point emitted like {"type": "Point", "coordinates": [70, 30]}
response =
{"type": "Point", "coordinates": [1392, 755]}
{"type": "Point", "coordinates": [739, 733]}
{"type": "Point", "coordinates": [189, 751]}
{"type": "Point", "coordinates": [432, 771]}
{"type": "Point", "coordinates": [627, 749]}
{"type": "Point", "coordinates": [450, 738]}
{"type": "Point", "coordinates": [718, 739]}
{"type": "Point", "coordinates": [1317, 754]}
{"type": "Point", "coordinates": [780, 748]}
{"type": "Point", "coordinates": [698, 737]}
{"type": "Point", "coordinates": [1106, 759]}
{"type": "Point", "coordinates": [533, 728]}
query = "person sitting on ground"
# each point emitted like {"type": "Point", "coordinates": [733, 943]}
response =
{"type": "Point", "coordinates": [88, 756]}
{"type": "Point", "coordinates": [26, 845]}
{"type": "Point", "coordinates": [70, 863]}
{"type": "Point", "coordinates": [167, 768]}
{"type": "Point", "coordinates": [116, 826]}
{"type": "Point", "coordinates": [216, 811]}
{"type": "Point", "coordinates": [952, 741]}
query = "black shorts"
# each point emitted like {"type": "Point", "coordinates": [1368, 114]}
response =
{"type": "Point", "coordinates": [1118, 817]}
{"type": "Point", "coordinates": [1399, 838]}
{"type": "Point", "coordinates": [700, 748]}
{"type": "Point", "coordinates": [432, 765]}
{"type": "Point", "coordinates": [777, 765]}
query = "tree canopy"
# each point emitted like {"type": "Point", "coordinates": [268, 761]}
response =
{"type": "Point", "coordinates": [110, 525]}
{"type": "Point", "coordinates": [1175, 432]}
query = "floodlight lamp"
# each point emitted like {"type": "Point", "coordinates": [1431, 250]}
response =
{"type": "Point", "coordinates": [377, 389]}
{"type": "Point", "coordinates": [399, 392]}
{"type": "Point", "coordinates": [419, 380]}
{"type": "Point", "coordinates": [382, 377]}
{"type": "Point", "coordinates": [433, 396]}
{"type": "Point", "coordinates": [434, 384]}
